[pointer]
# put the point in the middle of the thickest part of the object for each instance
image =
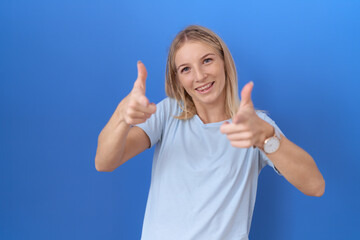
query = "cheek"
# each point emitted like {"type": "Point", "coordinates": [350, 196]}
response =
{"type": "Point", "coordinates": [220, 73]}
{"type": "Point", "coordinates": [222, 81]}
{"type": "Point", "coordinates": [186, 83]}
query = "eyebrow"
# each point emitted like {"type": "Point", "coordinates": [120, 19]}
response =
{"type": "Point", "coordinates": [200, 58]}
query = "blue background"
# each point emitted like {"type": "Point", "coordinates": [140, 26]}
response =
{"type": "Point", "coordinates": [65, 65]}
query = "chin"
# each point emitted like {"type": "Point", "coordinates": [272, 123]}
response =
{"type": "Point", "coordinates": [206, 99]}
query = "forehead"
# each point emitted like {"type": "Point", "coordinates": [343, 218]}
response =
{"type": "Point", "coordinates": [192, 51]}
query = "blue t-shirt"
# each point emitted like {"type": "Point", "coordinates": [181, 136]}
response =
{"type": "Point", "coordinates": [201, 187]}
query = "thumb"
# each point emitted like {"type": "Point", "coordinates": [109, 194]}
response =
{"type": "Point", "coordinates": [246, 94]}
{"type": "Point", "coordinates": [245, 102]}
{"type": "Point", "coordinates": [140, 82]}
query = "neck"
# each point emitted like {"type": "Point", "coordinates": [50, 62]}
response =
{"type": "Point", "coordinates": [212, 113]}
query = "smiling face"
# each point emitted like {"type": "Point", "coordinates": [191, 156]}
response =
{"type": "Point", "coordinates": [200, 70]}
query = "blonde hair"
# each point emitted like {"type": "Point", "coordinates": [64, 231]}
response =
{"type": "Point", "coordinates": [174, 89]}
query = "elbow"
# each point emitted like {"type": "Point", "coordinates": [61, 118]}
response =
{"type": "Point", "coordinates": [318, 190]}
{"type": "Point", "coordinates": [321, 190]}
{"type": "Point", "coordinates": [100, 167]}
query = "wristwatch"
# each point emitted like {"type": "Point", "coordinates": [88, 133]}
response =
{"type": "Point", "coordinates": [272, 144]}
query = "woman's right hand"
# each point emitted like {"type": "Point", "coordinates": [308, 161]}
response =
{"type": "Point", "coordinates": [136, 108]}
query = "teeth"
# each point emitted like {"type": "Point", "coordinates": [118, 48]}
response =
{"type": "Point", "coordinates": [204, 87]}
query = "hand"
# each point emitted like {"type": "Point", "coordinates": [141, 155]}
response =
{"type": "Point", "coordinates": [135, 108]}
{"type": "Point", "coordinates": [247, 128]}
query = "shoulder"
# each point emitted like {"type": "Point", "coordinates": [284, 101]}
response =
{"type": "Point", "coordinates": [264, 116]}
{"type": "Point", "coordinates": [169, 106]}
{"type": "Point", "coordinates": [167, 102]}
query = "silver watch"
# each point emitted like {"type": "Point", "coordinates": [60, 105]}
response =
{"type": "Point", "coordinates": [272, 144]}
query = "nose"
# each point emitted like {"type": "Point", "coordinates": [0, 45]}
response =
{"type": "Point", "coordinates": [200, 75]}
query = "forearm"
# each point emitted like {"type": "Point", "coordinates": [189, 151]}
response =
{"type": "Point", "coordinates": [134, 109]}
{"type": "Point", "coordinates": [249, 130]}
{"type": "Point", "coordinates": [111, 143]}
{"type": "Point", "coordinates": [298, 167]}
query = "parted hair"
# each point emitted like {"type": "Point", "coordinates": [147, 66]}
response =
{"type": "Point", "coordinates": [173, 87]}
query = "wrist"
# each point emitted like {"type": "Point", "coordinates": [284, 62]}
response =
{"type": "Point", "coordinates": [120, 114]}
{"type": "Point", "coordinates": [267, 131]}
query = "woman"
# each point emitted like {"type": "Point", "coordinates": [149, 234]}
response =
{"type": "Point", "coordinates": [210, 147]}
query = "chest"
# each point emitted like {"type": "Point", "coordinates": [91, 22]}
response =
{"type": "Point", "coordinates": [202, 151]}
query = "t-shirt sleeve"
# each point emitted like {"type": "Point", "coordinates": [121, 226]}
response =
{"type": "Point", "coordinates": [154, 126]}
{"type": "Point", "coordinates": [264, 160]}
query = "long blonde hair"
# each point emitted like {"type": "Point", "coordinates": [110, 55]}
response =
{"type": "Point", "coordinates": [174, 89]}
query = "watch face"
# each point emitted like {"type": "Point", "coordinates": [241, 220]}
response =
{"type": "Point", "coordinates": [271, 145]}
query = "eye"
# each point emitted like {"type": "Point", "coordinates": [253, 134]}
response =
{"type": "Point", "coordinates": [185, 69]}
{"type": "Point", "coordinates": [207, 60]}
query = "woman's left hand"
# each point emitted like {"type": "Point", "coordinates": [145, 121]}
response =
{"type": "Point", "coordinates": [247, 128]}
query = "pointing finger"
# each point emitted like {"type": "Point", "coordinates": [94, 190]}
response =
{"type": "Point", "coordinates": [227, 128]}
{"type": "Point", "coordinates": [151, 108]}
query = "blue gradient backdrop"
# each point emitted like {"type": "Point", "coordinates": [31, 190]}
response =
{"type": "Point", "coordinates": [65, 65]}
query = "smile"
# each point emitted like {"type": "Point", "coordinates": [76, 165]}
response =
{"type": "Point", "coordinates": [205, 88]}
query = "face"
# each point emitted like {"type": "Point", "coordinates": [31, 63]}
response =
{"type": "Point", "coordinates": [200, 70]}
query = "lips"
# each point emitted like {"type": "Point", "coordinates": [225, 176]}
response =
{"type": "Point", "coordinates": [205, 87]}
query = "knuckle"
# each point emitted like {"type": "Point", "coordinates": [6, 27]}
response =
{"type": "Point", "coordinates": [132, 104]}
{"type": "Point", "coordinates": [248, 144]}
{"type": "Point", "coordinates": [142, 115]}
{"type": "Point", "coordinates": [128, 120]}
{"type": "Point", "coordinates": [129, 111]}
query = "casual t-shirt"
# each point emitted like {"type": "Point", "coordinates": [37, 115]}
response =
{"type": "Point", "coordinates": [201, 188]}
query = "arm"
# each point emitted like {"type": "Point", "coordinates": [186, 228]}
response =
{"type": "Point", "coordinates": [118, 141]}
{"type": "Point", "coordinates": [296, 165]}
